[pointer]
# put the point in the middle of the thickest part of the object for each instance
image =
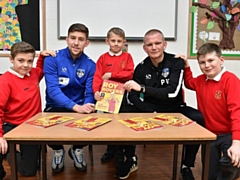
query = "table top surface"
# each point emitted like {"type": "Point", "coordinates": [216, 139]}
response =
{"type": "Point", "coordinates": [111, 131]}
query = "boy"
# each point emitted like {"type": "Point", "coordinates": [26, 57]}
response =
{"type": "Point", "coordinates": [118, 66]}
{"type": "Point", "coordinates": [19, 101]}
{"type": "Point", "coordinates": [218, 99]}
{"type": "Point", "coordinates": [69, 78]}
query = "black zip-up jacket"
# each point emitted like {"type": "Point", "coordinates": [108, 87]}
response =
{"type": "Point", "coordinates": [163, 84]}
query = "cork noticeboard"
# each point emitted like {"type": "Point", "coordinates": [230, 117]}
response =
{"type": "Point", "coordinates": [214, 22]}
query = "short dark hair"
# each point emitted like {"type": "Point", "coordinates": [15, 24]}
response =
{"type": "Point", "coordinates": [21, 47]}
{"type": "Point", "coordinates": [153, 31]}
{"type": "Point", "coordinates": [116, 30]}
{"type": "Point", "coordinates": [78, 27]}
{"type": "Point", "coordinates": [209, 48]}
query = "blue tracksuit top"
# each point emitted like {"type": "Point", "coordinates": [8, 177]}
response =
{"type": "Point", "coordinates": [68, 81]}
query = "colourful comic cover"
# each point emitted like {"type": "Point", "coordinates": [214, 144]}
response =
{"type": "Point", "coordinates": [113, 95]}
{"type": "Point", "coordinates": [173, 120]}
{"type": "Point", "coordinates": [141, 124]}
{"type": "Point", "coordinates": [88, 123]}
{"type": "Point", "coordinates": [50, 120]}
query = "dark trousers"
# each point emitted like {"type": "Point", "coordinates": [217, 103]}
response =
{"type": "Point", "coordinates": [55, 109]}
{"type": "Point", "coordinates": [220, 164]}
{"type": "Point", "coordinates": [27, 159]}
{"type": "Point", "coordinates": [190, 150]}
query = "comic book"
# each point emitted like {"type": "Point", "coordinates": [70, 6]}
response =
{"type": "Point", "coordinates": [112, 93]}
{"type": "Point", "coordinates": [50, 120]}
{"type": "Point", "coordinates": [141, 124]}
{"type": "Point", "coordinates": [88, 123]}
{"type": "Point", "coordinates": [173, 120]}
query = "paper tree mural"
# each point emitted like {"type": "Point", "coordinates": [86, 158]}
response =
{"type": "Point", "coordinates": [225, 13]}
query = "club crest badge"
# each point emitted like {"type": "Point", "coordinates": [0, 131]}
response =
{"type": "Point", "coordinates": [80, 73]}
{"type": "Point", "coordinates": [218, 94]}
{"type": "Point", "coordinates": [165, 72]}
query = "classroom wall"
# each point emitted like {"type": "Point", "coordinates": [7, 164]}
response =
{"type": "Point", "coordinates": [135, 48]}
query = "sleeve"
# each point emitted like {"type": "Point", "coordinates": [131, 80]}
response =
{"type": "Point", "coordinates": [127, 73]}
{"type": "Point", "coordinates": [4, 95]}
{"type": "Point", "coordinates": [89, 96]}
{"type": "Point", "coordinates": [53, 89]}
{"type": "Point", "coordinates": [189, 81]}
{"type": "Point", "coordinates": [97, 80]}
{"type": "Point", "coordinates": [39, 66]}
{"type": "Point", "coordinates": [175, 82]}
{"type": "Point", "coordinates": [134, 96]}
{"type": "Point", "coordinates": [233, 104]}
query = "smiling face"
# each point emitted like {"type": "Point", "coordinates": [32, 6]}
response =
{"type": "Point", "coordinates": [210, 64]}
{"type": "Point", "coordinates": [115, 42]}
{"type": "Point", "coordinates": [154, 46]}
{"type": "Point", "coordinates": [22, 63]}
{"type": "Point", "coordinates": [77, 41]}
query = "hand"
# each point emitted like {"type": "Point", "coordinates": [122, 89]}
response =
{"type": "Point", "coordinates": [184, 58]}
{"type": "Point", "coordinates": [129, 85]}
{"type": "Point", "coordinates": [98, 96]}
{"type": "Point", "coordinates": [48, 53]}
{"type": "Point", "coordinates": [234, 153]}
{"type": "Point", "coordinates": [3, 145]}
{"type": "Point", "coordinates": [107, 76]}
{"type": "Point", "coordinates": [86, 108]}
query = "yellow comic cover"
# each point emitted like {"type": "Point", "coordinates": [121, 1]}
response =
{"type": "Point", "coordinates": [112, 93]}
{"type": "Point", "coordinates": [50, 120]}
{"type": "Point", "coordinates": [173, 120]}
{"type": "Point", "coordinates": [141, 124]}
{"type": "Point", "coordinates": [88, 123]}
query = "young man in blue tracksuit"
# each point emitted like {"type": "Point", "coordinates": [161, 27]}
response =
{"type": "Point", "coordinates": [69, 78]}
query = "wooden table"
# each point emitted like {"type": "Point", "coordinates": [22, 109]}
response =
{"type": "Point", "coordinates": [113, 133]}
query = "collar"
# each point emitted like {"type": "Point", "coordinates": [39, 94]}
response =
{"type": "Point", "coordinates": [114, 54]}
{"type": "Point", "coordinates": [16, 73]}
{"type": "Point", "coordinates": [218, 77]}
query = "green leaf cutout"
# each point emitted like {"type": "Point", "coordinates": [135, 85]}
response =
{"type": "Point", "coordinates": [215, 5]}
{"type": "Point", "coordinates": [210, 25]}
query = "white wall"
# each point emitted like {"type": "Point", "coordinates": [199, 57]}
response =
{"type": "Point", "coordinates": [135, 48]}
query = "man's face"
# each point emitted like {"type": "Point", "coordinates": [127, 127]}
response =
{"type": "Point", "coordinates": [76, 41]}
{"type": "Point", "coordinates": [22, 63]}
{"type": "Point", "coordinates": [154, 46]}
{"type": "Point", "coordinates": [210, 64]}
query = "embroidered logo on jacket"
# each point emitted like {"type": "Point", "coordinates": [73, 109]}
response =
{"type": "Point", "coordinates": [80, 72]}
{"type": "Point", "coordinates": [64, 69]}
{"type": "Point", "coordinates": [148, 76]}
{"type": "Point", "coordinates": [165, 72]}
{"type": "Point", "coordinates": [218, 94]}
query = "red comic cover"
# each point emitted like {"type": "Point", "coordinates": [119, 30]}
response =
{"type": "Point", "coordinates": [173, 120]}
{"type": "Point", "coordinates": [141, 124]}
{"type": "Point", "coordinates": [88, 123]}
{"type": "Point", "coordinates": [50, 121]}
{"type": "Point", "coordinates": [112, 93]}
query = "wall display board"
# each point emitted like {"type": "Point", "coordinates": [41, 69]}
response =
{"type": "Point", "coordinates": [215, 22]}
{"type": "Point", "coordinates": [22, 20]}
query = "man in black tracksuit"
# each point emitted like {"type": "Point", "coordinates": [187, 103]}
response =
{"type": "Point", "coordinates": [157, 87]}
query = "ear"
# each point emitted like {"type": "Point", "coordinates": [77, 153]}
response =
{"type": "Point", "coordinates": [222, 60]}
{"type": "Point", "coordinates": [87, 43]}
{"type": "Point", "coordinates": [11, 59]}
{"type": "Point", "coordinates": [107, 41]}
{"type": "Point", "coordinates": [67, 40]}
{"type": "Point", "coordinates": [164, 45]}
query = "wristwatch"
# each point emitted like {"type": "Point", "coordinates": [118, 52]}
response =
{"type": "Point", "coordinates": [142, 88]}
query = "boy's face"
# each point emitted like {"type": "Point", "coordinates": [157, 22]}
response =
{"type": "Point", "coordinates": [76, 41]}
{"type": "Point", "coordinates": [115, 42]}
{"type": "Point", "coordinates": [210, 64]}
{"type": "Point", "coordinates": [22, 63]}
